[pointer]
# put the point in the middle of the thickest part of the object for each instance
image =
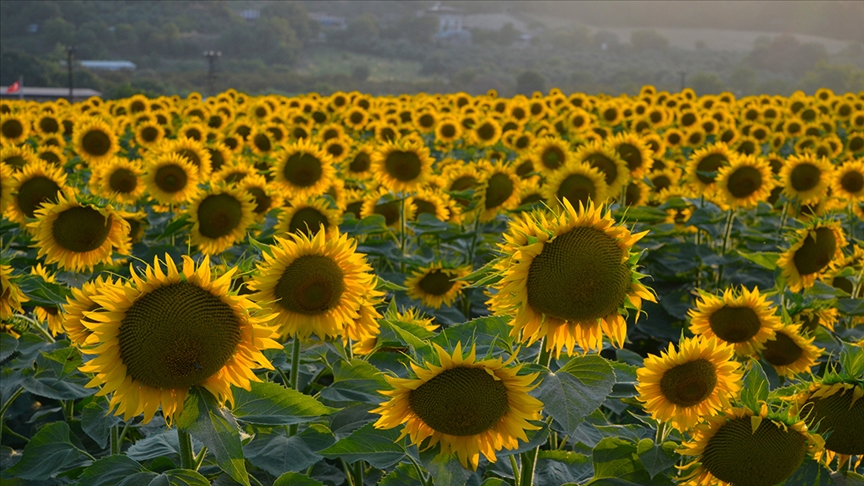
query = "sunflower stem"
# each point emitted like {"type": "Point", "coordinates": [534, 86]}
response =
{"type": "Point", "coordinates": [727, 236]}
{"type": "Point", "coordinates": [6, 405]}
{"type": "Point", "coordinates": [38, 328]}
{"type": "Point", "coordinates": [199, 459]}
{"type": "Point", "coordinates": [115, 441]}
{"type": "Point", "coordinates": [849, 214]}
{"type": "Point", "coordinates": [529, 461]}
{"type": "Point", "coordinates": [783, 215]}
{"type": "Point", "coordinates": [515, 466]}
{"type": "Point", "coordinates": [358, 473]}
{"type": "Point", "coordinates": [187, 460]}
{"type": "Point", "coordinates": [295, 375]}
{"type": "Point", "coordinates": [122, 437]}
{"type": "Point", "coordinates": [402, 237]}
{"type": "Point", "coordinates": [544, 357]}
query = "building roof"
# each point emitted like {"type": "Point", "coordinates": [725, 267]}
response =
{"type": "Point", "coordinates": [28, 92]}
{"type": "Point", "coordinates": [108, 65]}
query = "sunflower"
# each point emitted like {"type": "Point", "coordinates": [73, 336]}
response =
{"type": "Point", "coordinates": [387, 205]}
{"type": "Point", "coordinates": [745, 181]}
{"type": "Point", "coordinates": [304, 169]}
{"type": "Point", "coordinates": [448, 130]}
{"type": "Point", "coordinates": [47, 124]}
{"type": "Point", "coordinates": [635, 153]}
{"type": "Point", "coordinates": [76, 236]}
{"type": "Point", "coordinates": [171, 179]}
{"type": "Point", "coordinates": [604, 158]}
{"type": "Point", "coordinates": [740, 447]}
{"type": "Point", "coordinates": [811, 318]}
{"type": "Point", "coordinates": [806, 178]}
{"type": "Point", "coordinates": [848, 180]}
{"type": "Point", "coordinates": [567, 277]}
{"type": "Point", "coordinates": [37, 183]}
{"type": "Point", "coordinates": [790, 352]}
{"type": "Point", "coordinates": [838, 408]}
{"type": "Point", "coordinates": [7, 181]}
{"type": "Point", "coordinates": [95, 141]}
{"type": "Point", "coordinates": [743, 319]}
{"type": "Point", "coordinates": [465, 405]}
{"type": "Point", "coordinates": [576, 182]}
{"type": "Point", "coordinates": [338, 148]}
{"type": "Point", "coordinates": [232, 173]}
{"type": "Point", "coordinates": [51, 154]}
{"type": "Point", "coordinates": [193, 151]}
{"type": "Point", "coordinates": [814, 250]}
{"type": "Point", "coordinates": [402, 166]}
{"type": "Point", "coordinates": [436, 203]}
{"type": "Point", "coordinates": [119, 180]}
{"type": "Point", "coordinates": [220, 218]}
{"type": "Point", "coordinates": [160, 334]}
{"type": "Point", "coordinates": [11, 297]}
{"type": "Point", "coordinates": [435, 285]}
{"type": "Point", "coordinates": [48, 314]}
{"type": "Point", "coordinates": [359, 162]}
{"type": "Point", "coordinates": [697, 380]}
{"type": "Point", "coordinates": [705, 163]}
{"type": "Point", "coordinates": [308, 217]}
{"type": "Point", "coordinates": [313, 284]}
{"type": "Point", "coordinates": [551, 153]}
{"type": "Point", "coordinates": [14, 128]}
{"type": "Point", "coordinates": [74, 316]}
{"type": "Point", "coordinates": [486, 133]}
{"type": "Point", "coordinates": [498, 191]}
{"type": "Point", "coordinates": [17, 157]}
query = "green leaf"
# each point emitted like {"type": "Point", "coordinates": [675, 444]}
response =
{"type": "Point", "coordinates": [445, 469]}
{"type": "Point", "coordinates": [755, 387]}
{"type": "Point", "coordinates": [407, 334]}
{"type": "Point", "coordinates": [812, 473]}
{"type": "Point", "coordinates": [494, 482]}
{"type": "Point", "coordinates": [180, 477]}
{"type": "Point", "coordinates": [175, 226]}
{"type": "Point", "coordinates": [851, 307]}
{"type": "Point", "coordinates": [115, 471]}
{"type": "Point", "coordinates": [656, 458]}
{"type": "Point", "coordinates": [217, 429]}
{"type": "Point", "coordinates": [402, 475]}
{"type": "Point", "coordinates": [388, 285]}
{"type": "Point", "coordinates": [764, 259]}
{"type": "Point", "coordinates": [163, 444]}
{"type": "Point", "coordinates": [40, 292]}
{"type": "Point", "coordinates": [48, 453]}
{"type": "Point", "coordinates": [55, 388]}
{"type": "Point", "coordinates": [380, 448]}
{"type": "Point", "coordinates": [272, 404]}
{"type": "Point", "coordinates": [357, 381]}
{"type": "Point", "coordinates": [558, 467]}
{"type": "Point", "coordinates": [852, 360]}
{"type": "Point", "coordinates": [576, 390]}
{"type": "Point", "coordinates": [617, 458]}
{"type": "Point", "coordinates": [277, 453]}
{"type": "Point", "coordinates": [485, 332]}
{"type": "Point", "coordinates": [96, 421]}
{"type": "Point", "coordinates": [296, 479]}
{"type": "Point", "coordinates": [8, 345]}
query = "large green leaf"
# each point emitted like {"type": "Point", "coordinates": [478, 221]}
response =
{"type": "Point", "coordinates": [656, 458]}
{"type": "Point", "coordinates": [445, 469]}
{"type": "Point", "coordinates": [357, 381]}
{"type": "Point", "coordinates": [618, 458]}
{"type": "Point", "coordinates": [115, 471]}
{"type": "Point", "coordinates": [380, 448]}
{"type": "Point", "coordinates": [48, 453]}
{"type": "Point", "coordinates": [96, 421]}
{"type": "Point", "coordinates": [272, 404]}
{"type": "Point", "coordinates": [755, 387]}
{"type": "Point", "coordinates": [484, 332]}
{"type": "Point", "coordinates": [558, 467]}
{"type": "Point", "coordinates": [40, 292]}
{"type": "Point", "coordinates": [576, 390]}
{"type": "Point", "coordinates": [402, 475]}
{"type": "Point", "coordinates": [276, 453]}
{"type": "Point", "coordinates": [162, 444]}
{"type": "Point", "coordinates": [296, 479]}
{"type": "Point", "coordinates": [8, 345]}
{"type": "Point", "coordinates": [216, 428]}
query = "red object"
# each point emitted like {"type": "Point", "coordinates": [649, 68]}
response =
{"type": "Point", "coordinates": [14, 87]}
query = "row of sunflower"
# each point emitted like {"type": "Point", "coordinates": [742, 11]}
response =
{"type": "Point", "coordinates": [656, 288]}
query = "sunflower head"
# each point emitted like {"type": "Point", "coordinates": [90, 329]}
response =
{"type": "Point", "coordinates": [11, 297]}
{"type": "Point", "coordinates": [745, 181]}
{"type": "Point", "coordinates": [304, 169]}
{"type": "Point", "coordinates": [95, 141]}
{"type": "Point", "coordinates": [790, 352]}
{"type": "Point", "coordinates": [171, 179]}
{"type": "Point", "coordinates": [816, 249]}
{"type": "Point", "coordinates": [402, 166]}
{"type": "Point", "coordinates": [835, 405]}
{"type": "Point", "coordinates": [219, 218]}
{"type": "Point", "coordinates": [308, 217]}
{"type": "Point", "coordinates": [743, 318]}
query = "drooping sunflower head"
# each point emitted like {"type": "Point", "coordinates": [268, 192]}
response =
{"type": "Point", "coordinates": [220, 218]}
{"type": "Point", "coordinates": [790, 352]}
{"type": "Point", "coordinates": [11, 296]}
{"type": "Point", "coordinates": [313, 284]}
{"type": "Point", "coordinates": [402, 166]}
{"type": "Point", "coordinates": [171, 179]}
{"type": "Point", "coordinates": [468, 406]}
{"type": "Point", "coordinates": [815, 250]}
{"type": "Point", "coordinates": [37, 183]}
{"type": "Point", "coordinates": [304, 169]}
{"type": "Point", "coordinates": [569, 277]}
{"type": "Point", "coordinates": [806, 177]}
{"type": "Point", "coordinates": [163, 332]}
{"type": "Point", "coordinates": [95, 141]}
{"type": "Point", "coordinates": [308, 217]}
{"type": "Point", "coordinates": [743, 318]}
{"type": "Point", "coordinates": [436, 285]}
{"type": "Point", "coordinates": [835, 406]}
{"type": "Point", "coordinates": [742, 448]}
{"type": "Point", "coordinates": [78, 236]}
{"type": "Point", "coordinates": [745, 181]}
{"type": "Point", "coordinates": [499, 190]}
{"type": "Point", "coordinates": [685, 385]}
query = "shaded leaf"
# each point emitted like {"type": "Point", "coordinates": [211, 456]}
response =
{"type": "Point", "coordinates": [272, 404]}
{"type": "Point", "coordinates": [296, 479]}
{"type": "Point", "coordinates": [115, 471]}
{"type": "Point", "coordinates": [8, 345]}
{"type": "Point", "coordinates": [276, 453]}
{"type": "Point", "coordinates": [755, 387]}
{"type": "Point", "coordinates": [575, 390]}
{"type": "Point", "coordinates": [377, 447]}
{"type": "Point", "coordinates": [48, 453]}
{"type": "Point", "coordinates": [656, 458]}
{"type": "Point", "coordinates": [558, 467]}
{"type": "Point", "coordinates": [96, 421]}
{"type": "Point", "coordinates": [445, 469]}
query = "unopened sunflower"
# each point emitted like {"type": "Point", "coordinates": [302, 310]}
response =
{"type": "Point", "coordinates": [468, 406]}
{"type": "Point", "coordinates": [815, 250]}
{"type": "Point", "coordinates": [569, 277]}
{"type": "Point", "coordinates": [78, 236]}
{"type": "Point", "coordinates": [744, 319]}
{"type": "Point", "coordinates": [313, 285]}
{"type": "Point", "coordinates": [220, 218]}
{"type": "Point", "coordinates": [162, 333]}
{"type": "Point", "coordinates": [695, 381]}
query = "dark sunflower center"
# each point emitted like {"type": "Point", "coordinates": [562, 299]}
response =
{"type": "Point", "coordinates": [809, 322]}
{"type": "Point", "coordinates": [312, 284]}
{"type": "Point", "coordinates": [49, 125]}
{"type": "Point", "coordinates": [852, 182]}
{"type": "Point", "coordinates": [262, 200]}
{"type": "Point", "coordinates": [219, 215]}
{"type": "Point", "coordinates": [262, 142]}
{"type": "Point", "coordinates": [498, 190]}
{"type": "Point", "coordinates": [123, 181]}
{"type": "Point", "coordinates": [425, 207]}
{"type": "Point", "coordinates": [577, 188]}
{"type": "Point", "coordinates": [216, 159]}
{"type": "Point", "coordinates": [303, 169]}
{"type": "Point", "coordinates": [191, 156]}
{"type": "Point", "coordinates": [633, 196]}
{"type": "Point", "coordinates": [837, 414]}
{"type": "Point", "coordinates": [81, 229]}
{"type": "Point", "coordinates": [50, 157]}
{"type": "Point", "coordinates": [390, 211]}
{"type": "Point", "coordinates": [436, 282]}
{"type": "Point", "coordinates": [354, 208]}
{"type": "Point", "coordinates": [356, 117]}
{"type": "Point", "coordinates": [735, 324]}
{"type": "Point", "coordinates": [661, 182]}
{"type": "Point", "coordinates": [553, 157]}
{"type": "Point", "coordinates": [426, 120]}
{"type": "Point", "coordinates": [463, 183]}
{"type": "Point", "coordinates": [579, 276]}
{"type": "Point", "coordinates": [605, 165]}
{"type": "Point", "coordinates": [12, 129]}
{"type": "Point", "coordinates": [524, 169]}
{"type": "Point", "coordinates": [15, 161]}
{"type": "Point", "coordinates": [360, 163]}
{"type": "Point", "coordinates": [404, 166]}
{"type": "Point", "coordinates": [96, 142]}
{"type": "Point", "coordinates": [690, 383]}
{"type": "Point", "coordinates": [307, 221]}
{"type": "Point", "coordinates": [739, 456]}
{"type": "Point", "coordinates": [744, 182]}
{"type": "Point", "coordinates": [782, 351]}
{"type": "Point", "coordinates": [460, 401]}
{"type": "Point", "coordinates": [816, 253]}
{"type": "Point", "coordinates": [448, 130]}
{"type": "Point", "coordinates": [706, 168]}
{"type": "Point", "coordinates": [177, 336]}
{"type": "Point", "coordinates": [34, 192]}
{"type": "Point", "coordinates": [486, 131]}
{"type": "Point", "coordinates": [805, 177]}
{"type": "Point", "coordinates": [631, 155]}
{"type": "Point", "coordinates": [171, 178]}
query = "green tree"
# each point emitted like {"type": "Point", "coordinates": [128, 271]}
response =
{"type": "Point", "coordinates": [706, 83]}
{"type": "Point", "coordinates": [530, 81]}
{"type": "Point", "coordinates": [648, 40]}
{"type": "Point", "coordinates": [304, 28]}
{"type": "Point", "coordinates": [56, 31]}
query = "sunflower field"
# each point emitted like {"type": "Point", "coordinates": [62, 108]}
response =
{"type": "Point", "coordinates": [432, 289]}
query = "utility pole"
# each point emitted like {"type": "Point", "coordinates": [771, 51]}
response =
{"type": "Point", "coordinates": [211, 72]}
{"type": "Point", "coordinates": [683, 75]}
{"type": "Point", "coordinates": [70, 52]}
